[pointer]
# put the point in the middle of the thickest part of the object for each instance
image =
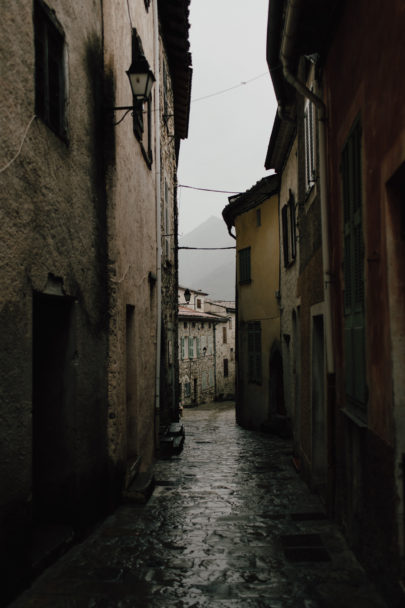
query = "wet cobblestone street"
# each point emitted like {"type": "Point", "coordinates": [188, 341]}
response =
{"type": "Point", "coordinates": [230, 523]}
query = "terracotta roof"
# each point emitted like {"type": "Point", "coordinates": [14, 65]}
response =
{"type": "Point", "coordinates": [174, 22]}
{"type": "Point", "coordinates": [196, 315]}
{"type": "Point", "coordinates": [240, 203]}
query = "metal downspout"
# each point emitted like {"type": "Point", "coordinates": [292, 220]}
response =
{"type": "Point", "coordinates": [158, 223]}
{"type": "Point", "coordinates": [286, 52]}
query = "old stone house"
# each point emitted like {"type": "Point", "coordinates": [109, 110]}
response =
{"type": "Point", "coordinates": [206, 349]}
{"type": "Point", "coordinates": [88, 191]}
{"type": "Point", "coordinates": [338, 146]}
{"type": "Point", "coordinates": [225, 339]}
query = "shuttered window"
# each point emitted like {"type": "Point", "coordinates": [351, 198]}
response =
{"type": "Point", "coordinates": [50, 84]}
{"type": "Point", "coordinates": [353, 246]}
{"type": "Point", "coordinates": [289, 231]}
{"type": "Point", "coordinates": [309, 141]}
{"type": "Point", "coordinates": [255, 352]}
{"type": "Point", "coordinates": [244, 265]}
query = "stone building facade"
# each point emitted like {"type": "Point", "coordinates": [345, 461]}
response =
{"type": "Point", "coordinates": [206, 349]}
{"type": "Point", "coordinates": [81, 286]}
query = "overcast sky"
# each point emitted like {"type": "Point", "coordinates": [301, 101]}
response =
{"type": "Point", "coordinates": [228, 133]}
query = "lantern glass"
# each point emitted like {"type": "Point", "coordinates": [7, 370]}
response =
{"type": "Point", "coordinates": [141, 79]}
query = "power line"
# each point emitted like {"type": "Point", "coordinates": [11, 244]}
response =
{"type": "Point", "coordinates": [235, 86]}
{"type": "Point", "coordinates": [207, 248]}
{"type": "Point", "coordinates": [208, 189]}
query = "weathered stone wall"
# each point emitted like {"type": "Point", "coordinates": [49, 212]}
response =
{"type": "Point", "coordinates": [225, 348]}
{"type": "Point", "coordinates": [169, 406]}
{"type": "Point", "coordinates": [198, 370]}
{"type": "Point", "coordinates": [132, 253]}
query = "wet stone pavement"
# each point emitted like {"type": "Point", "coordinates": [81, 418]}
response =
{"type": "Point", "coordinates": [230, 524]}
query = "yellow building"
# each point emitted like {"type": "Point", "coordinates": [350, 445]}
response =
{"type": "Point", "coordinates": [259, 394]}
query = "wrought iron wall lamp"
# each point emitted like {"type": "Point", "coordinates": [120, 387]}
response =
{"type": "Point", "coordinates": [141, 79]}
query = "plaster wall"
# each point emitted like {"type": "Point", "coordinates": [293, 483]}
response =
{"type": "Point", "coordinates": [53, 241]}
{"type": "Point", "coordinates": [375, 83]}
{"type": "Point", "coordinates": [257, 301]}
{"type": "Point", "coordinates": [289, 302]}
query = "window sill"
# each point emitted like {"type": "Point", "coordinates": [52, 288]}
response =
{"type": "Point", "coordinates": [60, 133]}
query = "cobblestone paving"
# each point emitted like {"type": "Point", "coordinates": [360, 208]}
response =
{"type": "Point", "coordinates": [230, 524]}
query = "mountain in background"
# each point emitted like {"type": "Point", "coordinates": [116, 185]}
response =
{"type": "Point", "coordinates": [210, 271]}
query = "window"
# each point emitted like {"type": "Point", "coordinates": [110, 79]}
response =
{"type": "Point", "coordinates": [166, 220]}
{"type": "Point", "coordinates": [191, 348]}
{"type": "Point", "coordinates": [244, 265]}
{"type": "Point", "coordinates": [198, 347]}
{"type": "Point", "coordinates": [142, 119]}
{"type": "Point", "coordinates": [210, 344]}
{"type": "Point", "coordinates": [309, 142]}
{"type": "Point", "coordinates": [226, 368]}
{"type": "Point", "coordinates": [353, 251]}
{"type": "Point", "coordinates": [50, 73]}
{"type": "Point", "coordinates": [289, 231]}
{"type": "Point", "coordinates": [204, 381]}
{"type": "Point", "coordinates": [224, 336]}
{"type": "Point", "coordinates": [198, 303]}
{"type": "Point", "coordinates": [211, 377]}
{"type": "Point", "coordinates": [182, 349]}
{"type": "Point", "coordinates": [254, 352]}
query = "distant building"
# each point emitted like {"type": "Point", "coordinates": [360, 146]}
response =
{"type": "Point", "coordinates": [206, 349]}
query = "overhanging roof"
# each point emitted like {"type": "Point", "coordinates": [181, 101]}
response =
{"type": "Point", "coordinates": [315, 20]}
{"type": "Point", "coordinates": [174, 25]}
{"type": "Point", "coordinates": [239, 203]}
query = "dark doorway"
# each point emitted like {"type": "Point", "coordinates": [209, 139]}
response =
{"type": "Point", "coordinates": [276, 388]}
{"type": "Point", "coordinates": [54, 403]}
{"type": "Point", "coordinates": [319, 448]}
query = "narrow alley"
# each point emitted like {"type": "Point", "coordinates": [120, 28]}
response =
{"type": "Point", "coordinates": [230, 523]}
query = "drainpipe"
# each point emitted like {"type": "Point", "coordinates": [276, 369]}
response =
{"type": "Point", "coordinates": [286, 54]}
{"type": "Point", "coordinates": [158, 222]}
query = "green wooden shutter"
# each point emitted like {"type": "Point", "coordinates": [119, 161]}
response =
{"type": "Point", "coordinates": [254, 352]}
{"type": "Point", "coordinates": [353, 245]}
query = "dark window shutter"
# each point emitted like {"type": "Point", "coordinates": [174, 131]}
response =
{"type": "Point", "coordinates": [284, 222]}
{"type": "Point", "coordinates": [353, 245]}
